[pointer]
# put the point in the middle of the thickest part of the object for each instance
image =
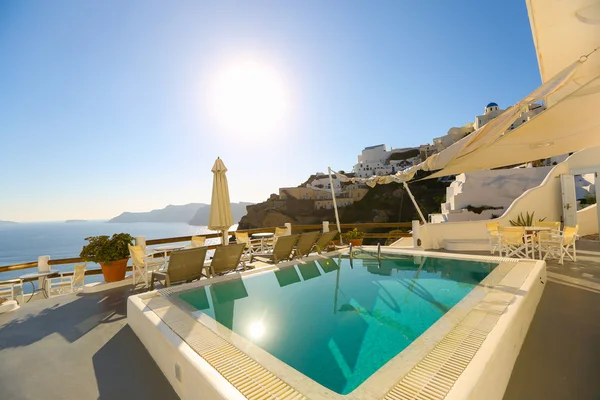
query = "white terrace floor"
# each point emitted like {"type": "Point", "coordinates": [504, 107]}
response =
{"type": "Point", "coordinates": [80, 347]}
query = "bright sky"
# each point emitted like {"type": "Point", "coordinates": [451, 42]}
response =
{"type": "Point", "coordinates": [112, 106]}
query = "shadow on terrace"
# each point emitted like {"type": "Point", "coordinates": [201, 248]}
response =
{"type": "Point", "coordinates": [76, 347]}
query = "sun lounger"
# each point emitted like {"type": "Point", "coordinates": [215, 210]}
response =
{"type": "Point", "coordinates": [227, 258]}
{"type": "Point", "coordinates": [306, 242]}
{"type": "Point", "coordinates": [324, 240]}
{"type": "Point", "coordinates": [184, 266]}
{"type": "Point", "coordinates": [281, 252]}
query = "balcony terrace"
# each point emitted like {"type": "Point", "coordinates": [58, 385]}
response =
{"type": "Point", "coordinates": [79, 346]}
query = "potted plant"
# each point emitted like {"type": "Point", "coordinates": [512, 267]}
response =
{"type": "Point", "coordinates": [354, 237]}
{"type": "Point", "coordinates": [110, 252]}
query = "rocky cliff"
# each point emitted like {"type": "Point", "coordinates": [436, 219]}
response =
{"type": "Point", "coordinates": [383, 203]}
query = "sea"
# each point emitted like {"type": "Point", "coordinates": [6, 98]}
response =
{"type": "Point", "coordinates": [24, 242]}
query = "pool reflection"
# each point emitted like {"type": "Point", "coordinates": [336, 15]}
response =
{"type": "Point", "coordinates": [337, 324]}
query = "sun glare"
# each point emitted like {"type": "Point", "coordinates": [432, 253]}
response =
{"type": "Point", "coordinates": [249, 97]}
{"type": "Point", "coordinates": [256, 330]}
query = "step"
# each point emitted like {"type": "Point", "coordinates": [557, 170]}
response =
{"type": "Point", "coordinates": [467, 244]}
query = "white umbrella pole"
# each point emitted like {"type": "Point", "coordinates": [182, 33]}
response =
{"type": "Point", "coordinates": [414, 202]}
{"type": "Point", "coordinates": [337, 217]}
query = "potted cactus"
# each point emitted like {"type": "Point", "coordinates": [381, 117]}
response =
{"type": "Point", "coordinates": [354, 237]}
{"type": "Point", "coordinates": [111, 253]}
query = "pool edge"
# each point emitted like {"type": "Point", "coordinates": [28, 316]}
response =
{"type": "Point", "coordinates": [472, 380]}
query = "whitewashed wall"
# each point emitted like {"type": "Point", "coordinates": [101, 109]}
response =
{"type": "Point", "coordinates": [545, 200]}
{"type": "Point", "coordinates": [587, 220]}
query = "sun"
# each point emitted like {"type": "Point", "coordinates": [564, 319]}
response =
{"type": "Point", "coordinates": [249, 97]}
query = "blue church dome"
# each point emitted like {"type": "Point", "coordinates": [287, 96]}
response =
{"type": "Point", "coordinates": [491, 105]}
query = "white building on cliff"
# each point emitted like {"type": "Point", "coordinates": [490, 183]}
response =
{"type": "Point", "coordinates": [375, 160]}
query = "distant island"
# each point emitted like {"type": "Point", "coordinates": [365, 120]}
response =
{"type": "Point", "coordinates": [7, 222]}
{"type": "Point", "coordinates": [70, 221]}
{"type": "Point", "coordinates": [193, 214]}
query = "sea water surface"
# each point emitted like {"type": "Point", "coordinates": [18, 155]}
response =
{"type": "Point", "coordinates": [24, 242]}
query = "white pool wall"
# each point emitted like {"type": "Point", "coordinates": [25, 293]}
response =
{"type": "Point", "coordinates": [198, 380]}
{"type": "Point", "coordinates": [487, 375]}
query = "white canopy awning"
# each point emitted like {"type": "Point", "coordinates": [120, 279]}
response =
{"type": "Point", "coordinates": [562, 31]}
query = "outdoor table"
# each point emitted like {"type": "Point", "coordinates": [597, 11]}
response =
{"type": "Point", "coordinates": [262, 237]}
{"type": "Point", "coordinates": [167, 248]}
{"type": "Point", "coordinates": [537, 228]}
{"type": "Point", "coordinates": [42, 275]}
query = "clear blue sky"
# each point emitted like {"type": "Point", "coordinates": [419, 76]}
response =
{"type": "Point", "coordinates": [108, 106]}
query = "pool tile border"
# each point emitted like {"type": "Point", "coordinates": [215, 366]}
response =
{"type": "Point", "coordinates": [430, 375]}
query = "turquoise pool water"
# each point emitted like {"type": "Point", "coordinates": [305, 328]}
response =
{"type": "Point", "coordinates": [337, 321]}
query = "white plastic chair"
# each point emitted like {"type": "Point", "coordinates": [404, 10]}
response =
{"type": "Point", "coordinates": [556, 244]}
{"type": "Point", "coordinates": [143, 264]}
{"type": "Point", "coordinates": [67, 283]}
{"type": "Point", "coordinates": [11, 289]}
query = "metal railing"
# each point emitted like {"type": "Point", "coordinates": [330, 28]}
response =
{"type": "Point", "coordinates": [295, 229]}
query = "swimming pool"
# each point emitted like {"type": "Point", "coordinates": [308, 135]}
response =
{"type": "Point", "coordinates": [335, 328]}
{"type": "Point", "coordinates": [338, 322]}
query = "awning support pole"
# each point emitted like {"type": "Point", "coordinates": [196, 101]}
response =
{"type": "Point", "coordinates": [337, 217]}
{"type": "Point", "coordinates": [414, 202]}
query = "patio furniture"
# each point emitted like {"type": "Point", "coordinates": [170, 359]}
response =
{"type": "Point", "coordinates": [558, 244]}
{"type": "Point", "coordinates": [282, 250]}
{"type": "Point", "coordinates": [166, 249]}
{"type": "Point", "coordinates": [306, 242]}
{"type": "Point", "coordinates": [514, 242]}
{"type": "Point", "coordinates": [143, 264]}
{"type": "Point", "coordinates": [197, 241]}
{"type": "Point", "coordinates": [324, 240]}
{"type": "Point", "coordinates": [265, 238]}
{"type": "Point", "coordinates": [67, 283]}
{"type": "Point", "coordinates": [493, 236]}
{"type": "Point", "coordinates": [12, 289]}
{"type": "Point", "coordinates": [227, 258]}
{"type": "Point", "coordinates": [555, 226]}
{"type": "Point", "coordinates": [42, 275]}
{"type": "Point", "coordinates": [279, 232]}
{"type": "Point", "coordinates": [252, 246]}
{"type": "Point", "coordinates": [184, 266]}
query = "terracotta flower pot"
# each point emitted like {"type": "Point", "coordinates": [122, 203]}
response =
{"type": "Point", "coordinates": [114, 271]}
{"type": "Point", "coordinates": [355, 242]}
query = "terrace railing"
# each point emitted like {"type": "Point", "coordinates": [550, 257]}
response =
{"type": "Point", "coordinates": [372, 231]}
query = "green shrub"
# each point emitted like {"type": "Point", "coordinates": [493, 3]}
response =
{"type": "Point", "coordinates": [526, 220]}
{"type": "Point", "coordinates": [353, 234]}
{"type": "Point", "coordinates": [104, 249]}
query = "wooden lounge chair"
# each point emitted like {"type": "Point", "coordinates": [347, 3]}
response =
{"type": "Point", "coordinates": [306, 242]}
{"type": "Point", "coordinates": [227, 258]}
{"type": "Point", "coordinates": [281, 252]}
{"type": "Point", "coordinates": [184, 266]}
{"type": "Point", "coordinates": [324, 240]}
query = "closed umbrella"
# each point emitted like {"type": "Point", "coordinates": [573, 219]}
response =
{"type": "Point", "coordinates": [220, 207]}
